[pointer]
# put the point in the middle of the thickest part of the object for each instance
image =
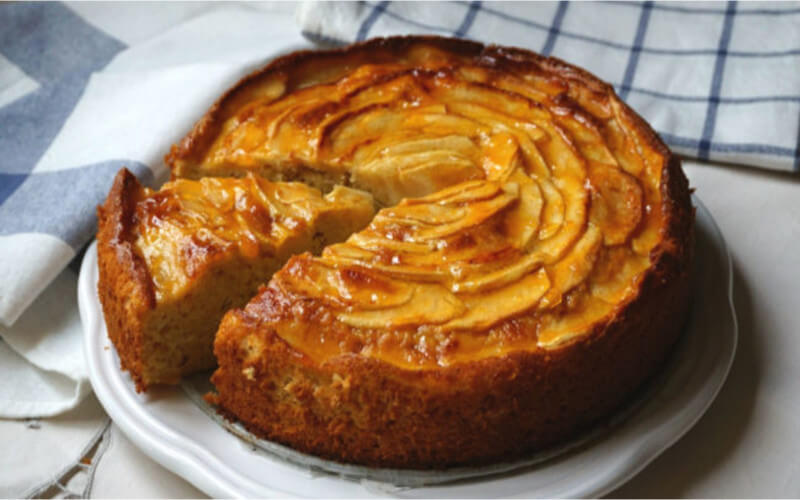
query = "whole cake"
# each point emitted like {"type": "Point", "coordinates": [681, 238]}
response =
{"type": "Point", "coordinates": [527, 273]}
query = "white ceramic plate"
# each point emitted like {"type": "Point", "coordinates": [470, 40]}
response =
{"type": "Point", "coordinates": [178, 431]}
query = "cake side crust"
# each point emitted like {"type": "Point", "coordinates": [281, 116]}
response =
{"type": "Point", "coordinates": [124, 286]}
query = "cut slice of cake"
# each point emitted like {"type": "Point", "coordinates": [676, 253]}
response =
{"type": "Point", "coordinates": [173, 261]}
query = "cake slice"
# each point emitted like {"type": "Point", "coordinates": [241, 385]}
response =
{"type": "Point", "coordinates": [173, 261]}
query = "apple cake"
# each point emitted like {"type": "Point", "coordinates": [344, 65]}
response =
{"type": "Point", "coordinates": [527, 272]}
{"type": "Point", "coordinates": [173, 261]}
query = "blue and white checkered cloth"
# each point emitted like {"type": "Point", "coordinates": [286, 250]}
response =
{"type": "Point", "coordinates": [718, 80]}
{"type": "Point", "coordinates": [88, 88]}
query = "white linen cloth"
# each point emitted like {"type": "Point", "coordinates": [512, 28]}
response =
{"type": "Point", "coordinates": [38, 453]}
{"type": "Point", "coordinates": [41, 360]}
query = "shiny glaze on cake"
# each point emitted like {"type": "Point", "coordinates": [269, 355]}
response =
{"type": "Point", "coordinates": [528, 272]}
{"type": "Point", "coordinates": [186, 226]}
{"type": "Point", "coordinates": [554, 201]}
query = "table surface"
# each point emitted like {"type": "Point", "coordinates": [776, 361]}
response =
{"type": "Point", "coordinates": [747, 443]}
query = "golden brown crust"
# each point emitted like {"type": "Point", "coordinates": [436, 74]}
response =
{"type": "Point", "coordinates": [360, 409]}
{"type": "Point", "coordinates": [124, 285]}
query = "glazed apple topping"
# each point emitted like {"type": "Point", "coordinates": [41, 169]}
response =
{"type": "Point", "coordinates": [509, 189]}
{"type": "Point", "coordinates": [188, 225]}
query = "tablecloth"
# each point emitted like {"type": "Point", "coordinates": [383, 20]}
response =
{"type": "Point", "coordinates": [746, 443]}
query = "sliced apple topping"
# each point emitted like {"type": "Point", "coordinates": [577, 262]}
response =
{"type": "Point", "coordinates": [616, 202]}
{"type": "Point", "coordinates": [509, 189]}
{"type": "Point", "coordinates": [187, 226]}
{"type": "Point", "coordinates": [517, 297]}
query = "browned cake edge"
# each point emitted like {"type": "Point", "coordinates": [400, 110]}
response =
{"type": "Point", "coordinates": [124, 286]}
{"type": "Point", "coordinates": [356, 409]}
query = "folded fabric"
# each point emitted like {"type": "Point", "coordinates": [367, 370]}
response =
{"type": "Point", "coordinates": [41, 356]}
{"type": "Point", "coordinates": [76, 105]}
{"type": "Point", "coordinates": [718, 81]}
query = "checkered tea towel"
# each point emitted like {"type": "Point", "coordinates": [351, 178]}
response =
{"type": "Point", "coordinates": [718, 80]}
